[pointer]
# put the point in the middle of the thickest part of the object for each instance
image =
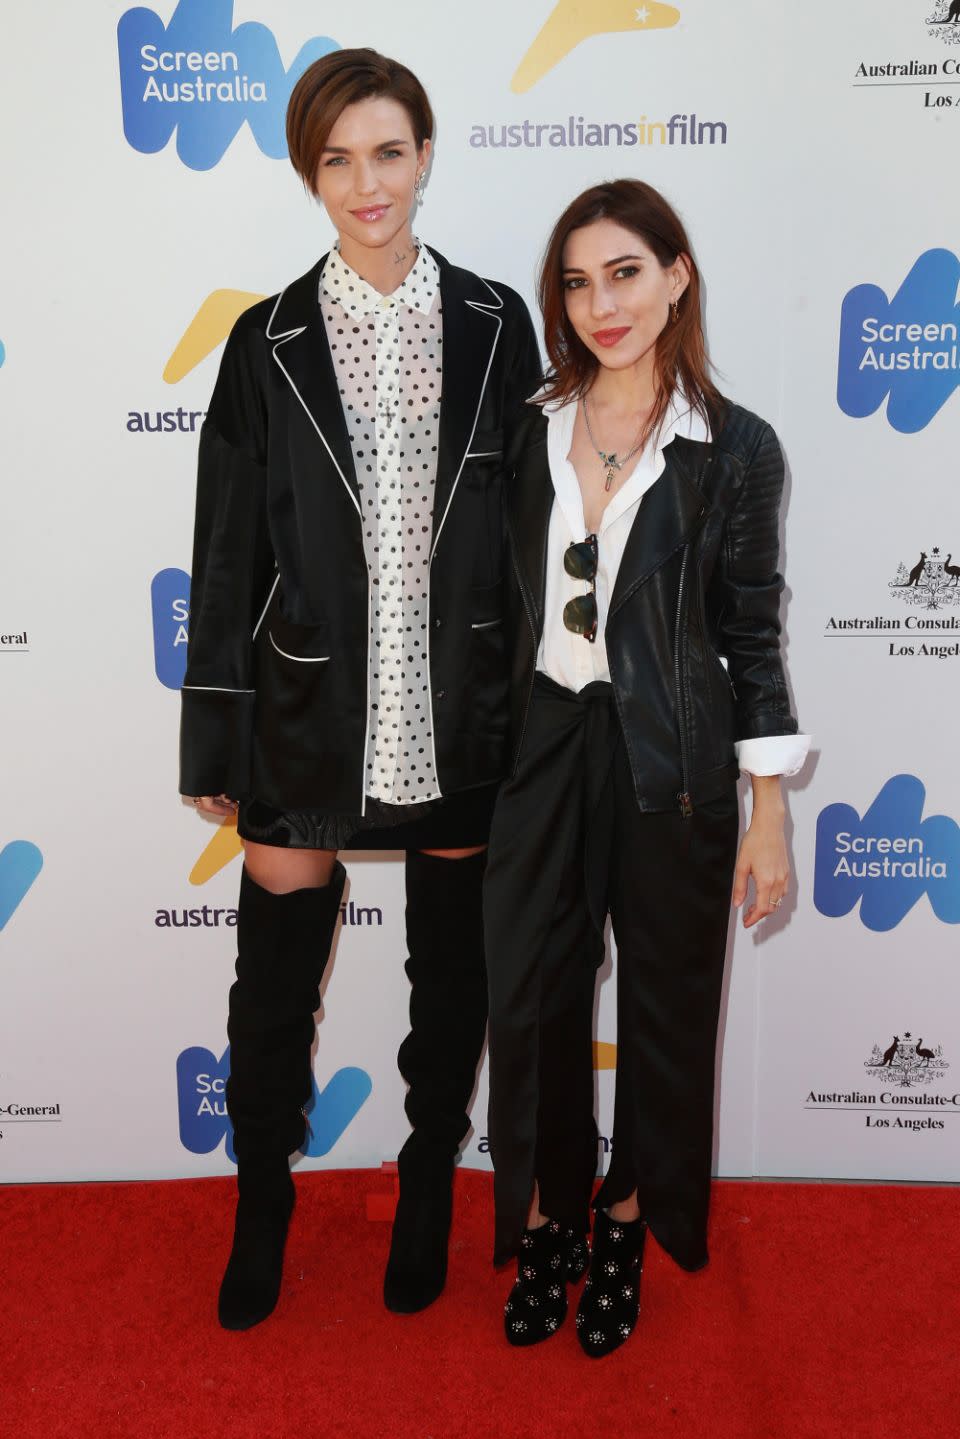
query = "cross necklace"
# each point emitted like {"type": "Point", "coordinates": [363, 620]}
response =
{"type": "Point", "coordinates": [611, 461]}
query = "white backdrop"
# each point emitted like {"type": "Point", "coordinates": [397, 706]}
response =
{"type": "Point", "coordinates": [826, 161]}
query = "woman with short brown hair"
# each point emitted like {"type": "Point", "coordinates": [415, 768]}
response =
{"type": "Point", "coordinates": [643, 517]}
{"type": "Point", "coordinates": [346, 681]}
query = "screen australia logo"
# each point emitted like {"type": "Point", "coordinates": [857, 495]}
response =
{"type": "Point", "coordinates": [204, 79]}
{"type": "Point", "coordinates": [904, 350]}
{"type": "Point", "coordinates": [20, 864]}
{"type": "Point", "coordinates": [170, 606]}
{"type": "Point", "coordinates": [201, 1097]}
{"type": "Point", "coordinates": [888, 859]}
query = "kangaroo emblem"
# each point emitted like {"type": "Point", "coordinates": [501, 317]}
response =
{"type": "Point", "coordinates": [916, 573]}
{"type": "Point", "coordinates": [889, 1055]}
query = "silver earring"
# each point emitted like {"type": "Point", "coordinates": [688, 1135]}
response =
{"type": "Point", "coordinates": [419, 188]}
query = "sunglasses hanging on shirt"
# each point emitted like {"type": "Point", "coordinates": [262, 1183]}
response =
{"type": "Point", "coordinates": [580, 614]}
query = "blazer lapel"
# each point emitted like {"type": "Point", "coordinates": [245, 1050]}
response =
{"type": "Point", "coordinates": [667, 516]}
{"type": "Point", "coordinates": [471, 330]}
{"type": "Point", "coordinates": [301, 350]}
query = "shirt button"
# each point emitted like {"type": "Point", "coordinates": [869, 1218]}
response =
{"type": "Point", "coordinates": [438, 624]}
{"type": "Point", "coordinates": [439, 694]}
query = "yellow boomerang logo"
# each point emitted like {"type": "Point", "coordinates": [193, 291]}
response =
{"type": "Point", "coordinates": [574, 20]}
{"type": "Point", "coordinates": [223, 847]}
{"type": "Point", "coordinates": [209, 328]}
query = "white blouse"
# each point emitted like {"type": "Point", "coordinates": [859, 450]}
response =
{"type": "Point", "coordinates": [387, 353]}
{"type": "Point", "coordinates": [568, 658]}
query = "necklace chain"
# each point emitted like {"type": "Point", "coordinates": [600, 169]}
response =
{"type": "Point", "coordinates": [610, 461]}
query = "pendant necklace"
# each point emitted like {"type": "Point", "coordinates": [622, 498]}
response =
{"type": "Point", "coordinates": [610, 461]}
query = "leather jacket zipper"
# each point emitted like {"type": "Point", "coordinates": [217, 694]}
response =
{"type": "Point", "coordinates": [683, 798]}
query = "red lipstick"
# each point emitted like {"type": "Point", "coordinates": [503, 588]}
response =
{"type": "Point", "coordinates": [611, 337]}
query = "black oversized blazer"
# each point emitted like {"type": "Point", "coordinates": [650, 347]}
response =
{"type": "Point", "coordinates": [274, 701]}
{"type": "Point", "coordinates": [698, 580]}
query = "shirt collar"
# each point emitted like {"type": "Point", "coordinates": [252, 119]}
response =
{"type": "Point", "coordinates": [680, 419]}
{"type": "Point", "coordinates": [418, 291]}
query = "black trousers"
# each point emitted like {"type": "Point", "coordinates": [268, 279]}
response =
{"type": "Point", "coordinates": [567, 846]}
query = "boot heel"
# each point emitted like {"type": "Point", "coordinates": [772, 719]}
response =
{"type": "Point", "coordinates": [417, 1267]}
{"type": "Point", "coordinates": [254, 1273]}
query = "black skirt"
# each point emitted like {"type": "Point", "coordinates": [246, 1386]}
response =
{"type": "Point", "coordinates": [457, 821]}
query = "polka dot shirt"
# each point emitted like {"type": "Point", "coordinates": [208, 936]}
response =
{"type": "Point", "coordinates": [386, 352]}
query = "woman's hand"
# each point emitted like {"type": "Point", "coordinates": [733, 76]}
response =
{"type": "Point", "coordinates": [217, 805]}
{"type": "Point", "coordinates": [763, 853]}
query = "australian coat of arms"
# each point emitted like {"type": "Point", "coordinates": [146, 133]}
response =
{"type": "Point", "coordinates": [932, 582]}
{"type": "Point", "coordinates": [906, 1062]}
{"type": "Point", "coordinates": [944, 23]}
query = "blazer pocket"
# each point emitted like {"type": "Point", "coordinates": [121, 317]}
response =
{"type": "Point", "coordinates": [486, 444]}
{"type": "Point", "coordinates": [486, 606]}
{"type": "Point", "coordinates": [305, 644]}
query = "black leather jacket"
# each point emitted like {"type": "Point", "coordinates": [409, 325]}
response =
{"type": "Point", "coordinates": [698, 580]}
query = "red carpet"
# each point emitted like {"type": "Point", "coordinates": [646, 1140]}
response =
{"type": "Point", "coordinates": [827, 1310]}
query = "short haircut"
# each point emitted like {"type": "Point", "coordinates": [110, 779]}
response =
{"type": "Point", "coordinates": [328, 86]}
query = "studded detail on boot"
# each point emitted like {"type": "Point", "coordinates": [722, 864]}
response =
{"type": "Point", "coordinates": [550, 1257]}
{"type": "Point", "coordinates": [610, 1303]}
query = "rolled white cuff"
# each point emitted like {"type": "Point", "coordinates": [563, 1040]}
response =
{"type": "Point", "coordinates": [773, 754]}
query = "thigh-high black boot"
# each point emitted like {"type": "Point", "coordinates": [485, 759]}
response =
{"type": "Point", "coordinates": [283, 943]}
{"type": "Point", "coordinates": [438, 1059]}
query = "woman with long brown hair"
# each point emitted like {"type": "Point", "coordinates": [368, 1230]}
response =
{"type": "Point", "coordinates": [643, 518]}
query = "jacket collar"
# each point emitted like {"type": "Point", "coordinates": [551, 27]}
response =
{"type": "Point", "coordinates": [668, 513]}
{"type": "Point", "coordinates": [667, 516]}
{"type": "Point", "coordinates": [472, 320]}
{"type": "Point", "coordinates": [301, 350]}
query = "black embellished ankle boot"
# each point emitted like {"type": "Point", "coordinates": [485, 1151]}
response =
{"type": "Point", "coordinates": [610, 1303]}
{"type": "Point", "coordinates": [550, 1257]}
{"type": "Point", "coordinates": [438, 1059]}
{"type": "Point", "coordinates": [283, 943]}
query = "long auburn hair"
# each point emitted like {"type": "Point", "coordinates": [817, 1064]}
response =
{"type": "Point", "coordinates": [680, 358]}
